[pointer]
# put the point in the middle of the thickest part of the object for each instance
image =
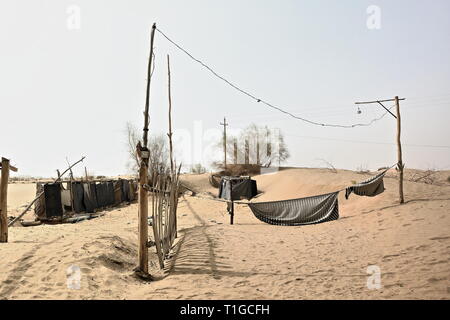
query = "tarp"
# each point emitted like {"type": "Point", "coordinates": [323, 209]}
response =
{"type": "Point", "coordinates": [118, 192]}
{"type": "Point", "coordinates": [90, 197]}
{"type": "Point", "coordinates": [126, 190]}
{"type": "Point", "coordinates": [369, 188]}
{"type": "Point", "coordinates": [236, 188]}
{"type": "Point", "coordinates": [53, 204]}
{"type": "Point", "coordinates": [78, 195]}
{"type": "Point", "coordinates": [101, 193]}
{"type": "Point", "coordinates": [299, 211]}
{"type": "Point", "coordinates": [109, 193]}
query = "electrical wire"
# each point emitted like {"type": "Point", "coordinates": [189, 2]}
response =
{"type": "Point", "coordinates": [259, 100]}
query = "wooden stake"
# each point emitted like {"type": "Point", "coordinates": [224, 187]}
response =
{"type": "Point", "coordinates": [170, 118]}
{"type": "Point", "coordinates": [224, 124]}
{"type": "Point", "coordinates": [4, 201]}
{"type": "Point", "coordinates": [143, 174]}
{"type": "Point", "coordinates": [143, 219]}
{"type": "Point", "coordinates": [399, 152]}
{"type": "Point", "coordinates": [231, 204]}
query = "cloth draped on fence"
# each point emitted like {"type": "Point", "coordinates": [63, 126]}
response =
{"type": "Point", "coordinates": [299, 211]}
{"type": "Point", "coordinates": [369, 188]}
{"type": "Point", "coordinates": [236, 188]}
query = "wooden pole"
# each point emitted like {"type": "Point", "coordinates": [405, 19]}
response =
{"type": "Point", "coordinates": [143, 174]}
{"type": "Point", "coordinates": [399, 152]}
{"type": "Point", "coordinates": [170, 118]}
{"type": "Point", "coordinates": [232, 204]}
{"type": "Point", "coordinates": [224, 124]}
{"type": "Point", "coordinates": [4, 201]}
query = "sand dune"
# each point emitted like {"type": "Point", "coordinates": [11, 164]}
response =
{"type": "Point", "coordinates": [249, 260]}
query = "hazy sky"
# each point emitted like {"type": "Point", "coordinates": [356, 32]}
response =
{"type": "Point", "coordinates": [68, 92]}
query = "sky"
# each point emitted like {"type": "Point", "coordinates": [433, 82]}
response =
{"type": "Point", "coordinates": [73, 73]}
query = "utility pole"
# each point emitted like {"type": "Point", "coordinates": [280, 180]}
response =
{"type": "Point", "coordinates": [224, 124]}
{"type": "Point", "coordinates": [144, 154]}
{"type": "Point", "coordinates": [400, 164]}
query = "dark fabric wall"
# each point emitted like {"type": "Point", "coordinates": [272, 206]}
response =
{"type": "Point", "coordinates": [90, 197]}
{"type": "Point", "coordinates": [53, 204]}
{"type": "Point", "coordinates": [126, 190]}
{"type": "Point", "coordinates": [78, 195]}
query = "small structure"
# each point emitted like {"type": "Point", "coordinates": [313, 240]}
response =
{"type": "Point", "coordinates": [56, 200]}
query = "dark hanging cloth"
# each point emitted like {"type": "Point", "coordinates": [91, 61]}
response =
{"type": "Point", "coordinates": [90, 197]}
{"type": "Point", "coordinates": [110, 193]}
{"type": "Point", "coordinates": [118, 192]}
{"type": "Point", "coordinates": [300, 211]}
{"type": "Point", "coordinates": [53, 204]}
{"type": "Point", "coordinates": [78, 197]}
{"type": "Point", "coordinates": [236, 188]}
{"type": "Point", "coordinates": [101, 193]}
{"type": "Point", "coordinates": [126, 190]}
{"type": "Point", "coordinates": [369, 188]}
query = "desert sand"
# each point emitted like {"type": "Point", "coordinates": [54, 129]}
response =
{"type": "Point", "coordinates": [212, 259]}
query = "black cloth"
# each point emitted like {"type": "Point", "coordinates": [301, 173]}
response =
{"type": "Point", "coordinates": [101, 193]}
{"type": "Point", "coordinates": [53, 204]}
{"type": "Point", "coordinates": [299, 211]}
{"type": "Point", "coordinates": [78, 195]}
{"type": "Point", "coordinates": [90, 197]}
{"type": "Point", "coordinates": [236, 188]}
{"type": "Point", "coordinates": [126, 190]}
{"type": "Point", "coordinates": [110, 193]}
{"type": "Point", "coordinates": [369, 188]}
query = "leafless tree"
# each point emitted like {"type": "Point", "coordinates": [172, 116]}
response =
{"type": "Point", "coordinates": [266, 145]}
{"type": "Point", "coordinates": [157, 145]}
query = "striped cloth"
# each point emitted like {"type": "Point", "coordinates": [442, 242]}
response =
{"type": "Point", "coordinates": [369, 188]}
{"type": "Point", "coordinates": [300, 211]}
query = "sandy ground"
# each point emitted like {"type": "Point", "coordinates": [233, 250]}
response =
{"type": "Point", "coordinates": [250, 259]}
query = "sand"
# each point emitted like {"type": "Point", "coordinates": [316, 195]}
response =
{"type": "Point", "coordinates": [250, 259]}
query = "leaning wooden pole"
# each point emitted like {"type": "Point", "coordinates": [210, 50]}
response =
{"type": "Point", "coordinates": [173, 178]}
{"type": "Point", "coordinates": [4, 201]}
{"type": "Point", "coordinates": [144, 155]}
{"type": "Point", "coordinates": [400, 164]}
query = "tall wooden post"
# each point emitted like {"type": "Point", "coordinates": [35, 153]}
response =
{"type": "Point", "coordinates": [170, 118]}
{"type": "Point", "coordinates": [231, 204]}
{"type": "Point", "coordinates": [224, 124]}
{"type": "Point", "coordinates": [4, 201]}
{"type": "Point", "coordinates": [400, 164]}
{"type": "Point", "coordinates": [172, 170]}
{"type": "Point", "coordinates": [399, 151]}
{"type": "Point", "coordinates": [144, 155]}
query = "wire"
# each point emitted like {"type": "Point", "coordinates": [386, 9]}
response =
{"type": "Point", "coordinates": [261, 100]}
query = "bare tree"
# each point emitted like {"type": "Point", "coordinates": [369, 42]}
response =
{"type": "Point", "coordinates": [266, 146]}
{"type": "Point", "coordinates": [159, 152]}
